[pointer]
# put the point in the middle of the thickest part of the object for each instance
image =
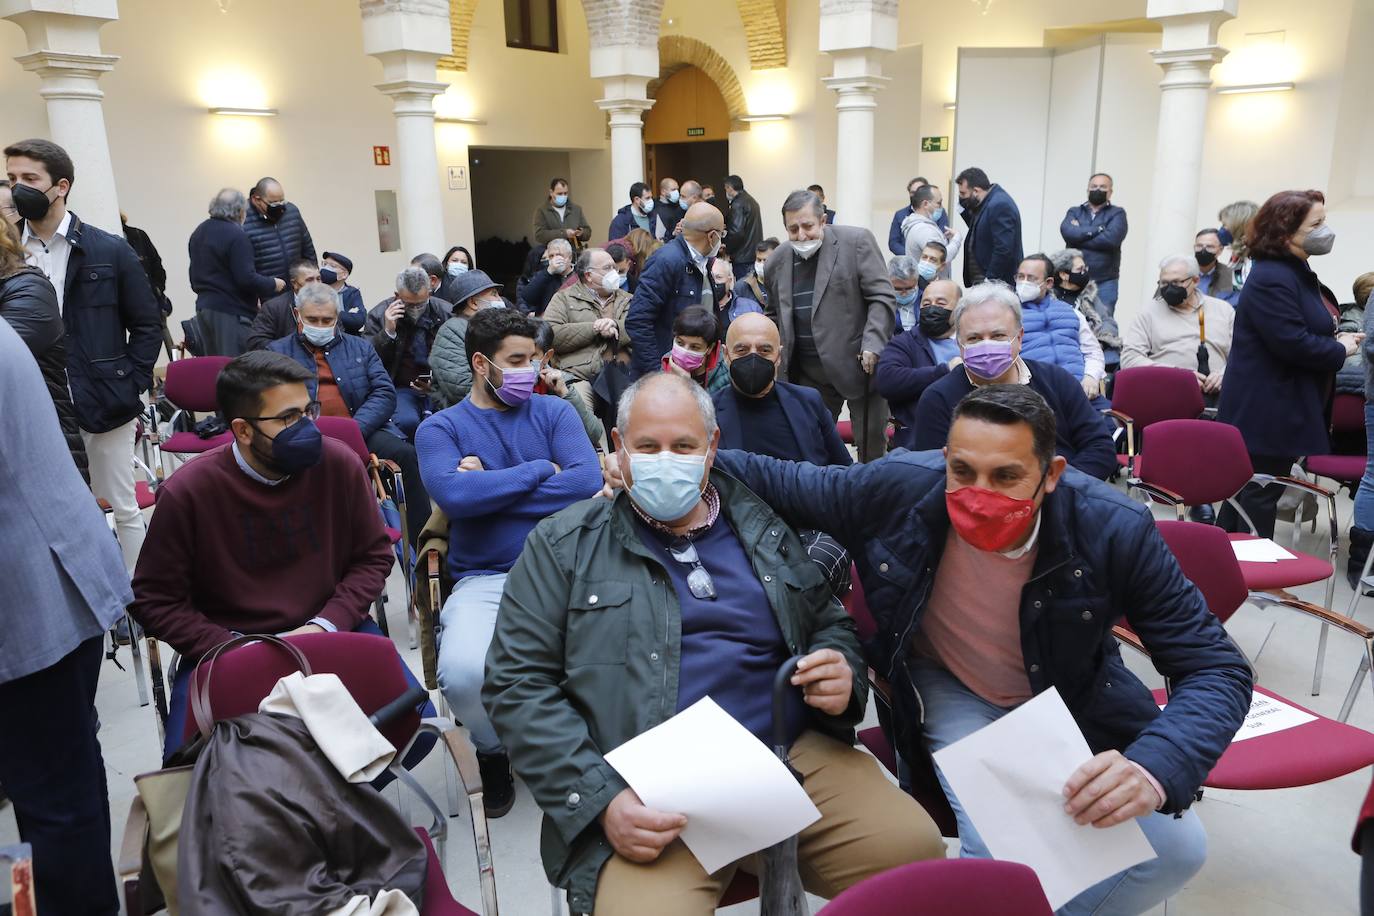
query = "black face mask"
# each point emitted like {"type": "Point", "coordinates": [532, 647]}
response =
{"type": "Point", "coordinates": [328, 277]}
{"type": "Point", "coordinates": [275, 211]}
{"type": "Point", "coordinates": [30, 203]}
{"type": "Point", "coordinates": [1079, 278]}
{"type": "Point", "coordinates": [1173, 294]}
{"type": "Point", "coordinates": [751, 375]}
{"type": "Point", "coordinates": [935, 320]}
{"type": "Point", "coordinates": [1097, 197]}
{"type": "Point", "coordinates": [1205, 258]}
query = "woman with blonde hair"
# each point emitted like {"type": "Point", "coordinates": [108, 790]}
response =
{"type": "Point", "coordinates": [1234, 219]}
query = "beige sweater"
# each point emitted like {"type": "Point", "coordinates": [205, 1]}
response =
{"type": "Point", "coordinates": [1162, 336]}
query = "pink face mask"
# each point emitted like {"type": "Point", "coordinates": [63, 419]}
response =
{"type": "Point", "coordinates": [687, 359]}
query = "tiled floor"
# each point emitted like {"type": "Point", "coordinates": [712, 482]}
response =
{"type": "Point", "coordinates": [1275, 853]}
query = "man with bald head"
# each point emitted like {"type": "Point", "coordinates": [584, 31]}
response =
{"type": "Point", "coordinates": [621, 612]}
{"type": "Point", "coordinates": [676, 276]}
{"type": "Point", "coordinates": [919, 357]}
{"type": "Point", "coordinates": [277, 230]}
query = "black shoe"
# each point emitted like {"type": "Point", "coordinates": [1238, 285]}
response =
{"type": "Point", "coordinates": [1203, 515]}
{"type": "Point", "coordinates": [498, 784]}
{"type": "Point", "coordinates": [1361, 540]}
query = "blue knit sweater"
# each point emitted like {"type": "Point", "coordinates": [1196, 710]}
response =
{"type": "Point", "coordinates": [492, 511]}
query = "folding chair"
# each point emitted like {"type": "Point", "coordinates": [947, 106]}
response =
{"type": "Point", "coordinates": [950, 887]}
{"type": "Point", "coordinates": [1148, 394]}
{"type": "Point", "coordinates": [190, 387]}
{"type": "Point", "coordinates": [370, 669]}
{"type": "Point", "coordinates": [1187, 463]}
{"type": "Point", "coordinates": [21, 894]}
{"type": "Point", "coordinates": [1300, 756]}
{"type": "Point", "coordinates": [387, 483]}
{"type": "Point", "coordinates": [1347, 425]}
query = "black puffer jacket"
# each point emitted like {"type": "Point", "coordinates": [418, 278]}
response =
{"type": "Point", "coordinates": [28, 303]}
{"type": "Point", "coordinates": [276, 245]}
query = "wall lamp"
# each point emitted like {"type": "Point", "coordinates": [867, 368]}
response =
{"type": "Point", "coordinates": [1254, 87]}
{"type": "Point", "coordinates": [246, 112]}
{"type": "Point", "coordinates": [448, 120]}
{"type": "Point", "coordinates": [754, 119]}
{"type": "Point", "coordinates": [950, 106]}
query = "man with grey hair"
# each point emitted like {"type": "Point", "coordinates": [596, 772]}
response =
{"type": "Point", "coordinates": [228, 287]}
{"type": "Point", "coordinates": [403, 330]}
{"type": "Point", "coordinates": [552, 271]}
{"type": "Point", "coordinates": [830, 293]}
{"type": "Point", "coordinates": [621, 612]}
{"type": "Point", "coordinates": [987, 327]}
{"type": "Point", "coordinates": [1181, 327]}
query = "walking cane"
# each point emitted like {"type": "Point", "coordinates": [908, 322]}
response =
{"type": "Point", "coordinates": [780, 887]}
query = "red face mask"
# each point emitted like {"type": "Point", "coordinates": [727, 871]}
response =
{"type": "Point", "coordinates": [990, 520]}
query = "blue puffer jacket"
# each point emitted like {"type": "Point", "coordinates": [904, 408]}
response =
{"type": "Point", "coordinates": [669, 283]}
{"type": "Point", "coordinates": [276, 245]}
{"type": "Point", "coordinates": [1051, 328]}
{"type": "Point", "coordinates": [358, 370]}
{"type": "Point", "coordinates": [1100, 558]}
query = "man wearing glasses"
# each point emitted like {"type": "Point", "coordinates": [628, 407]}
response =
{"type": "Point", "coordinates": [276, 532]}
{"type": "Point", "coordinates": [621, 612]}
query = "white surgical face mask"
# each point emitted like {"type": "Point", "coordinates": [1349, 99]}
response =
{"type": "Point", "coordinates": [758, 268]}
{"type": "Point", "coordinates": [806, 249]}
{"type": "Point", "coordinates": [610, 281]}
{"type": "Point", "coordinates": [1027, 291]}
{"type": "Point", "coordinates": [316, 335]}
{"type": "Point", "coordinates": [646, 206]}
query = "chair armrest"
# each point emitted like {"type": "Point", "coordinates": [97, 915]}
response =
{"type": "Point", "coordinates": [1294, 483]}
{"type": "Point", "coordinates": [1335, 618]}
{"type": "Point", "coordinates": [1155, 491]}
{"type": "Point", "coordinates": [426, 613]}
{"type": "Point", "coordinates": [1128, 423]}
{"type": "Point", "coordinates": [1130, 639]}
{"type": "Point", "coordinates": [130, 864]}
{"type": "Point", "coordinates": [464, 758]}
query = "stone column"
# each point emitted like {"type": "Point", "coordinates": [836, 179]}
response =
{"type": "Point", "coordinates": [625, 72]}
{"type": "Point", "coordinates": [64, 50]}
{"type": "Point", "coordinates": [1187, 54]}
{"type": "Point", "coordinates": [409, 38]}
{"type": "Point", "coordinates": [856, 34]}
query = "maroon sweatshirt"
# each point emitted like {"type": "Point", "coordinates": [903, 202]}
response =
{"type": "Point", "coordinates": [225, 552]}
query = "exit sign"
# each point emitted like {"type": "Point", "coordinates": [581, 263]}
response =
{"type": "Point", "coordinates": [696, 131]}
{"type": "Point", "coordinates": [935, 144]}
{"type": "Point", "coordinates": [381, 155]}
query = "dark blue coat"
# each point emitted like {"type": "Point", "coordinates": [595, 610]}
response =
{"type": "Point", "coordinates": [896, 239]}
{"type": "Point", "coordinates": [994, 236]}
{"type": "Point", "coordinates": [669, 283]}
{"type": "Point", "coordinates": [114, 328]}
{"type": "Point", "coordinates": [1099, 236]}
{"type": "Point", "coordinates": [1284, 355]}
{"type": "Point", "coordinates": [276, 245]}
{"type": "Point", "coordinates": [222, 272]}
{"type": "Point", "coordinates": [810, 421]}
{"type": "Point", "coordinates": [905, 370]}
{"type": "Point", "coordinates": [1100, 558]}
{"type": "Point", "coordinates": [363, 383]}
{"type": "Point", "coordinates": [1082, 434]}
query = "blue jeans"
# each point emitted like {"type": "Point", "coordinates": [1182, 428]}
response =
{"type": "Point", "coordinates": [179, 701]}
{"type": "Point", "coordinates": [952, 711]}
{"type": "Point", "coordinates": [466, 624]}
{"type": "Point", "coordinates": [1364, 496]}
{"type": "Point", "coordinates": [411, 408]}
{"type": "Point", "coordinates": [1106, 296]}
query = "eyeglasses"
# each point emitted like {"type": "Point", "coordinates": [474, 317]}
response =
{"type": "Point", "coordinates": [699, 581]}
{"type": "Point", "coordinates": [293, 416]}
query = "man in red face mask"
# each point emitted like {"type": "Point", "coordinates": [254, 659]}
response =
{"type": "Point", "coordinates": [994, 572]}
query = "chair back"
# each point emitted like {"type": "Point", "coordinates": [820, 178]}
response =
{"type": "Point", "coordinates": [950, 887]}
{"type": "Point", "coordinates": [1347, 414]}
{"type": "Point", "coordinates": [190, 382]}
{"type": "Point", "coordinates": [1204, 554]}
{"type": "Point", "coordinates": [368, 666]}
{"type": "Point", "coordinates": [345, 430]}
{"type": "Point", "coordinates": [857, 606]}
{"type": "Point", "coordinates": [1201, 460]}
{"type": "Point", "coordinates": [1149, 394]}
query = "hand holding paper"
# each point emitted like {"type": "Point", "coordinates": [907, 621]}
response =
{"type": "Point", "coordinates": [1107, 790]}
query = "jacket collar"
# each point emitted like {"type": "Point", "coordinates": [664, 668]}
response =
{"type": "Point", "coordinates": [748, 515]}
{"type": "Point", "coordinates": [825, 265]}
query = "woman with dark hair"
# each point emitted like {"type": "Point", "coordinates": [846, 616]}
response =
{"type": "Point", "coordinates": [1284, 350]}
{"type": "Point", "coordinates": [456, 262]}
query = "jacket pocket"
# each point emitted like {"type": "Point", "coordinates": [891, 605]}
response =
{"type": "Point", "coordinates": [95, 320]}
{"type": "Point", "coordinates": [105, 393]}
{"type": "Point", "coordinates": [598, 623]}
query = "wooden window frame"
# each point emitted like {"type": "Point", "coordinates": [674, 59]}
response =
{"type": "Point", "coordinates": [524, 32]}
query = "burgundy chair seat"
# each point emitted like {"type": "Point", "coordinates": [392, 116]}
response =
{"type": "Point", "coordinates": [929, 795]}
{"type": "Point", "coordinates": [949, 887]}
{"type": "Point", "coordinates": [394, 534]}
{"type": "Point", "coordinates": [744, 887]}
{"type": "Point", "coordinates": [1300, 756]}
{"type": "Point", "coordinates": [144, 494]}
{"type": "Point", "coordinates": [1283, 574]}
{"type": "Point", "coordinates": [846, 430]}
{"type": "Point", "coordinates": [191, 444]}
{"type": "Point", "coordinates": [1344, 468]}
{"type": "Point", "coordinates": [438, 898]}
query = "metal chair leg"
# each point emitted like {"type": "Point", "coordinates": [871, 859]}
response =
{"type": "Point", "coordinates": [135, 635]}
{"type": "Point", "coordinates": [379, 609]}
{"type": "Point", "coordinates": [159, 690]}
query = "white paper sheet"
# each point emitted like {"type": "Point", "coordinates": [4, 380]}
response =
{"type": "Point", "coordinates": [1009, 776]}
{"type": "Point", "coordinates": [1268, 715]}
{"type": "Point", "coordinates": [1260, 550]}
{"type": "Point", "coordinates": [737, 795]}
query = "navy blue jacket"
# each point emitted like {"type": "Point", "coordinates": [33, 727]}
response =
{"type": "Point", "coordinates": [1284, 357]}
{"type": "Point", "coordinates": [276, 245]}
{"type": "Point", "coordinates": [669, 283]}
{"type": "Point", "coordinates": [222, 272]}
{"type": "Point", "coordinates": [810, 421]}
{"type": "Point", "coordinates": [905, 370]}
{"type": "Point", "coordinates": [1082, 434]}
{"type": "Point", "coordinates": [624, 221]}
{"type": "Point", "coordinates": [1099, 236]}
{"type": "Point", "coordinates": [994, 237]}
{"type": "Point", "coordinates": [1100, 558]}
{"type": "Point", "coordinates": [363, 383]}
{"type": "Point", "coordinates": [534, 294]}
{"type": "Point", "coordinates": [896, 239]}
{"type": "Point", "coordinates": [114, 328]}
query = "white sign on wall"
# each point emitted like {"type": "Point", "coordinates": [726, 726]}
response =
{"type": "Point", "coordinates": [457, 177]}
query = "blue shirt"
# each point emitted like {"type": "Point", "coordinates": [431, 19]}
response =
{"type": "Point", "coordinates": [945, 348]}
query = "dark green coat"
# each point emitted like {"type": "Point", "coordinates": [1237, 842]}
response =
{"type": "Point", "coordinates": [586, 652]}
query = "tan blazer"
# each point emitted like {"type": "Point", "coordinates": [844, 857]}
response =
{"type": "Point", "coordinates": [571, 314]}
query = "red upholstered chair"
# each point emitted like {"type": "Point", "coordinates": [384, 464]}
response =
{"type": "Point", "coordinates": [1190, 462]}
{"type": "Point", "coordinates": [1300, 756]}
{"type": "Point", "coordinates": [1146, 395]}
{"type": "Point", "coordinates": [949, 887]}
{"type": "Point", "coordinates": [190, 387]}
{"type": "Point", "coordinates": [1347, 424]}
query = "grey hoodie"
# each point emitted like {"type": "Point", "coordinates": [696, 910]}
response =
{"type": "Point", "coordinates": [920, 230]}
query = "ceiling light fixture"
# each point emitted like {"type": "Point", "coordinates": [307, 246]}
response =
{"type": "Point", "coordinates": [246, 112]}
{"type": "Point", "coordinates": [1254, 87]}
{"type": "Point", "coordinates": [449, 120]}
{"type": "Point", "coordinates": [753, 119]}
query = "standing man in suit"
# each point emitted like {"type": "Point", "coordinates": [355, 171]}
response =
{"type": "Point", "coordinates": [830, 293]}
{"type": "Point", "coordinates": [560, 218]}
{"type": "Point", "coordinates": [992, 250]}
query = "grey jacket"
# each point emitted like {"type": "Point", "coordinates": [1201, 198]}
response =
{"type": "Point", "coordinates": [571, 313]}
{"type": "Point", "coordinates": [853, 306]}
{"type": "Point", "coordinates": [64, 576]}
{"type": "Point", "coordinates": [448, 363]}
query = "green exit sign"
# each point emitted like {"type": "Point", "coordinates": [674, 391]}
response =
{"type": "Point", "coordinates": [696, 131]}
{"type": "Point", "coordinates": [935, 144]}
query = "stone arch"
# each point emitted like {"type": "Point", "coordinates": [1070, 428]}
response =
{"type": "Point", "coordinates": [678, 51]}
{"type": "Point", "coordinates": [460, 30]}
{"type": "Point", "coordinates": [765, 28]}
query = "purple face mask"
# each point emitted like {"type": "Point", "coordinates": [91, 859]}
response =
{"type": "Point", "coordinates": [988, 358]}
{"type": "Point", "coordinates": [517, 384]}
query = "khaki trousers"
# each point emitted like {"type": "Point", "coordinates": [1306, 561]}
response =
{"type": "Point", "coordinates": [867, 825]}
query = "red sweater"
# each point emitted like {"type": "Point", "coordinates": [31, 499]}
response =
{"type": "Point", "coordinates": [225, 552]}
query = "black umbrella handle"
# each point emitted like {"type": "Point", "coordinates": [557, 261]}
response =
{"type": "Point", "coordinates": [782, 682]}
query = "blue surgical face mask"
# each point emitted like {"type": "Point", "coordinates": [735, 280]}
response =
{"type": "Point", "coordinates": [560, 200]}
{"type": "Point", "coordinates": [647, 206]}
{"type": "Point", "coordinates": [673, 196]}
{"type": "Point", "coordinates": [938, 214]}
{"type": "Point", "coordinates": [907, 297]}
{"type": "Point", "coordinates": [318, 336]}
{"type": "Point", "coordinates": [457, 268]}
{"type": "Point", "coordinates": [927, 270]}
{"type": "Point", "coordinates": [683, 204]}
{"type": "Point", "coordinates": [666, 485]}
